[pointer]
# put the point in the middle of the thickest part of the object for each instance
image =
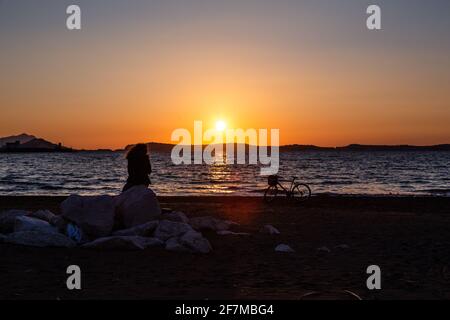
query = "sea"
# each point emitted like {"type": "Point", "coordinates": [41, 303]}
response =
{"type": "Point", "coordinates": [332, 172]}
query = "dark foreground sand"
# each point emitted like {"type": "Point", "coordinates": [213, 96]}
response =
{"type": "Point", "coordinates": [409, 238]}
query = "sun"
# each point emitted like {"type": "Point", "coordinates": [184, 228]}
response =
{"type": "Point", "coordinates": [221, 125]}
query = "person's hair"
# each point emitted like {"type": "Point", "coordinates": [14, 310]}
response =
{"type": "Point", "coordinates": [137, 151]}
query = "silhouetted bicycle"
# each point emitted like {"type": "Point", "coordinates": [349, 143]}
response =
{"type": "Point", "coordinates": [298, 191]}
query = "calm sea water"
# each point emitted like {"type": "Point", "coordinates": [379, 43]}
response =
{"type": "Point", "coordinates": [333, 172]}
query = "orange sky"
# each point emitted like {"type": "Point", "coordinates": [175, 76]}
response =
{"type": "Point", "coordinates": [118, 82]}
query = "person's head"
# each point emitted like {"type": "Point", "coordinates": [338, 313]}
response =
{"type": "Point", "coordinates": [137, 151]}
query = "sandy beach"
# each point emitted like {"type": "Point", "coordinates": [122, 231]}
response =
{"type": "Point", "coordinates": [407, 237]}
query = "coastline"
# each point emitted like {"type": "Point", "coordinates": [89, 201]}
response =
{"type": "Point", "coordinates": [406, 237]}
{"type": "Point", "coordinates": [406, 202]}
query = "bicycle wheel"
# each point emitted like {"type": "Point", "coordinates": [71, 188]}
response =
{"type": "Point", "coordinates": [271, 193]}
{"type": "Point", "coordinates": [301, 192]}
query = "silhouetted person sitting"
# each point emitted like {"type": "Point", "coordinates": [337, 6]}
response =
{"type": "Point", "coordinates": [139, 167]}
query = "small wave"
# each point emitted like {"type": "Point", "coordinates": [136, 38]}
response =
{"type": "Point", "coordinates": [337, 182]}
{"type": "Point", "coordinates": [257, 191]}
{"type": "Point", "coordinates": [50, 187]}
{"type": "Point", "coordinates": [436, 191]}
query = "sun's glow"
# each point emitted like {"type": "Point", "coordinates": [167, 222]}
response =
{"type": "Point", "coordinates": [221, 125]}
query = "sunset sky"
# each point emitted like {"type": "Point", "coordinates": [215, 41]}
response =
{"type": "Point", "coordinates": [140, 69]}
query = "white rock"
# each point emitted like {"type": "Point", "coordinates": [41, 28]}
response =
{"type": "Point", "coordinates": [39, 239]}
{"type": "Point", "coordinates": [143, 230]}
{"type": "Point", "coordinates": [8, 219]}
{"type": "Point", "coordinates": [136, 206]}
{"type": "Point", "coordinates": [231, 233]}
{"type": "Point", "coordinates": [168, 229]}
{"type": "Point", "coordinates": [211, 223]}
{"type": "Point", "coordinates": [55, 220]}
{"type": "Point", "coordinates": [196, 242]}
{"type": "Point", "coordinates": [176, 216]}
{"type": "Point", "coordinates": [150, 242]}
{"type": "Point", "coordinates": [25, 223]}
{"type": "Point", "coordinates": [173, 244]}
{"type": "Point", "coordinates": [284, 248]}
{"type": "Point", "coordinates": [45, 215]}
{"type": "Point", "coordinates": [125, 242]}
{"type": "Point", "coordinates": [268, 229]}
{"type": "Point", "coordinates": [94, 215]}
{"type": "Point", "coordinates": [324, 249]}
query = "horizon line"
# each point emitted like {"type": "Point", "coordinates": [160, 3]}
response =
{"type": "Point", "coordinates": [247, 144]}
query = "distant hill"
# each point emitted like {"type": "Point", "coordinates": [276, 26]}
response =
{"type": "Point", "coordinates": [359, 147]}
{"type": "Point", "coordinates": [297, 147]}
{"type": "Point", "coordinates": [22, 138]}
{"type": "Point", "coordinates": [28, 143]}
{"type": "Point", "coordinates": [153, 147]}
{"type": "Point", "coordinates": [165, 147]}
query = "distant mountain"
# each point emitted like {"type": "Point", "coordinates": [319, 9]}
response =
{"type": "Point", "coordinates": [28, 143]}
{"type": "Point", "coordinates": [165, 147]}
{"type": "Point", "coordinates": [359, 147]}
{"type": "Point", "coordinates": [38, 144]}
{"type": "Point", "coordinates": [298, 147]}
{"type": "Point", "coordinates": [153, 147]}
{"type": "Point", "coordinates": [22, 138]}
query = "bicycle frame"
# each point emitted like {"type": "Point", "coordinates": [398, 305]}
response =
{"type": "Point", "coordinates": [291, 188]}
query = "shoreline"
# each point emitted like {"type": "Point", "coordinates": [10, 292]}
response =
{"type": "Point", "coordinates": [416, 204]}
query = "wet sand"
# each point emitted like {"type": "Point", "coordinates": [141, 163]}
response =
{"type": "Point", "coordinates": [409, 238]}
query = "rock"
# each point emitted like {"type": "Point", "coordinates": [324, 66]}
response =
{"type": "Point", "coordinates": [94, 215]}
{"type": "Point", "coordinates": [45, 215]}
{"type": "Point", "coordinates": [173, 244]}
{"type": "Point", "coordinates": [342, 247]}
{"type": "Point", "coordinates": [284, 248]}
{"type": "Point", "coordinates": [211, 223]}
{"type": "Point", "coordinates": [191, 241]}
{"type": "Point", "coordinates": [136, 206]}
{"type": "Point", "coordinates": [268, 229]}
{"type": "Point", "coordinates": [124, 242]}
{"type": "Point", "coordinates": [150, 242]}
{"type": "Point", "coordinates": [24, 223]}
{"type": "Point", "coordinates": [143, 230]}
{"type": "Point", "coordinates": [39, 239]}
{"type": "Point", "coordinates": [55, 220]}
{"type": "Point", "coordinates": [8, 219]}
{"type": "Point", "coordinates": [168, 229]}
{"type": "Point", "coordinates": [231, 233]}
{"type": "Point", "coordinates": [195, 242]}
{"type": "Point", "coordinates": [324, 249]}
{"type": "Point", "coordinates": [175, 216]}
